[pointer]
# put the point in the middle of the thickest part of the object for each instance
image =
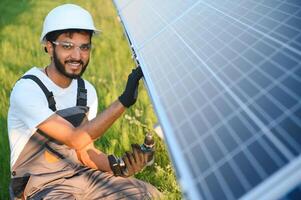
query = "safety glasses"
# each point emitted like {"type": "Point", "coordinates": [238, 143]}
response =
{"type": "Point", "coordinates": [69, 46]}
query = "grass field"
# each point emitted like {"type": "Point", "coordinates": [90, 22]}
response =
{"type": "Point", "coordinates": [20, 28]}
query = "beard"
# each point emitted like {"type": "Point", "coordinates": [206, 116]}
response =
{"type": "Point", "coordinates": [61, 67]}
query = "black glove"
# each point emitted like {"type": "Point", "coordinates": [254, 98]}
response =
{"type": "Point", "coordinates": [129, 96]}
{"type": "Point", "coordinates": [135, 161]}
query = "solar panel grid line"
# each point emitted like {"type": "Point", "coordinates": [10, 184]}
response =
{"type": "Point", "coordinates": [167, 25]}
{"type": "Point", "coordinates": [242, 143]}
{"type": "Point", "coordinates": [256, 10]}
{"type": "Point", "coordinates": [238, 141]}
{"type": "Point", "coordinates": [229, 159]}
{"type": "Point", "coordinates": [252, 115]}
{"type": "Point", "coordinates": [290, 73]}
{"type": "Point", "coordinates": [266, 148]}
{"type": "Point", "coordinates": [284, 115]}
{"type": "Point", "coordinates": [219, 177]}
{"type": "Point", "coordinates": [272, 99]}
{"type": "Point", "coordinates": [282, 131]}
{"type": "Point", "coordinates": [256, 30]}
{"type": "Point", "coordinates": [271, 6]}
{"type": "Point", "coordinates": [243, 149]}
{"type": "Point", "coordinates": [236, 169]}
{"type": "Point", "coordinates": [266, 15]}
{"type": "Point", "coordinates": [206, 192]}
{"type": "Point", "coordinates": [209, 194]}
{"type": "Point", "coordinates": [282, 23]}
{"type": "Point", "coordinates": [257, 24]}
{"type": "Point", "coordinates": [262, 92]}
{"type": "Point", "coordinates": [277, 185]}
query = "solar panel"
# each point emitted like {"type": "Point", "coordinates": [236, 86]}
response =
{"type": "Point", "coordinates": [224, 77]}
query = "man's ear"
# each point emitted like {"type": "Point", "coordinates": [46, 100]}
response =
{"type": "Point", "coordinates": [49, 48]}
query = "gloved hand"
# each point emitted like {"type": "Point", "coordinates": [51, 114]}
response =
{"type": "Point", "coordinates": [129, 96]}
{"type": "Point", "coordinates": [135, 161]}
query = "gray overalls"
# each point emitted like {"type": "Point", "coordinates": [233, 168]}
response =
{"type": "Point", "coordinates": [47, 169]}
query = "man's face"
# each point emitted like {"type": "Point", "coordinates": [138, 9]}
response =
{"type": "Point", "coordinates": [71, 54]}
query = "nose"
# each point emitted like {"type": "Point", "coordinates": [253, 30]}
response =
{"type": "Point", "coordinates": [76, 53]}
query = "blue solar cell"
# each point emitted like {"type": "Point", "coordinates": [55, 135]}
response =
{"type": "Point", "coordinates": [222, 107]}
{"type": "Point", "coordinates": [284, 61]}
{"type": "Point", "coordinates": [247, 169]}
{"type": "Point", "coordinates": [294, 21]}
{"type": "Point", "coordinates": [189, 105]}
{"type": "Point", "coordinates": [215, 187]}
{"type": "Point", "coordinates": [227, 139]}
{"type": "Point", "coordinates": [283, 97]}
{"type": "Point", "coordinates": [232, 179]}
{"type": "Point", "coordinates": [242, 64]}
{"type": "Point", "coordinates": [258, 112]}
{"type": "Point", "coordinates": [260, 78]}
{"type": "Point", "coordinates": [292, 146]}
{"type": "Point", "coordinates": [275, 149]}
{"type": "Point", "coordinates": [238, 46]}
{"type": "Point", "coordinates": [200, 159]}
{"type": "Point", "coordinates": [209, 90]}
{"type": "Point", "coordinates": [199, 124]}
{"type": "Point", "coordinates": [269, 107]}
{"type": "Point", "coordinates": [253, 56]}
{"type": "Point", "coordinates": [288, 8]}
{"type": "Point", "coordinates": [263, 158]}
{"type": "Point", "coordinates": [248, 88]}
{"type": "Point", "coordinates": [240, 129]}
{"type": "Point", "coordinates": [213, 148]}
{"type": "Point", "coordinates": [293, 129]}
{"type": "Point", "coordinates": [270, 69]}
{"type": "Point", "coordinates": [210, 115]}
{"type": "Point", "coordinates": [188, 133]}
{"type": "Point", "coordinates": [264, 48]}
{"type": "Point", "coordinates": [293, 85]}
{"type": "Point", "coordinates": [232, 72]}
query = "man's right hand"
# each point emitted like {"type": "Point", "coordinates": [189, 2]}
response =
{"type": "Point", "coordinates": [135, 161]}
{"type": "Point", "coordinates": [129, 96]}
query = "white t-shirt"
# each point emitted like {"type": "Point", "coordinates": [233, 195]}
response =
{"type": "Point", "coordinates": [29, 107]}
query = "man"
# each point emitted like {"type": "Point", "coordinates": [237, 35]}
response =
{"type": "Point", "coordinates": [52, 123]}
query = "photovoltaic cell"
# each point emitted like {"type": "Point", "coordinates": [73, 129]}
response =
{"type": "Point", "coordinates": [224, 77]}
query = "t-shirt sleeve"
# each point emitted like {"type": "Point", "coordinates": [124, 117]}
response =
{"type": "Point", "coordinates": [30, 103]}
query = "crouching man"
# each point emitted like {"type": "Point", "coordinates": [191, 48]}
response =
{"type": "Point", "coordinates": [53, 121]}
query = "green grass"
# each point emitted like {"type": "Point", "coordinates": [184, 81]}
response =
{"type": "Point", "coordinates": [20, 28]}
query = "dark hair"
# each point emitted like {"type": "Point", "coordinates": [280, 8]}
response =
{"type": "Point", "coordinates": [53, 35]}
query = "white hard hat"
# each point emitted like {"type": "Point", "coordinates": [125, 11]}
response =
{"type": "Point", "coordinates": [67, 16]}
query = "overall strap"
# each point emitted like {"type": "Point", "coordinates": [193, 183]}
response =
{"type": "Point", "coordinates": [48, 94]}
{"type": "Point", "coordinates": [81, 93]}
